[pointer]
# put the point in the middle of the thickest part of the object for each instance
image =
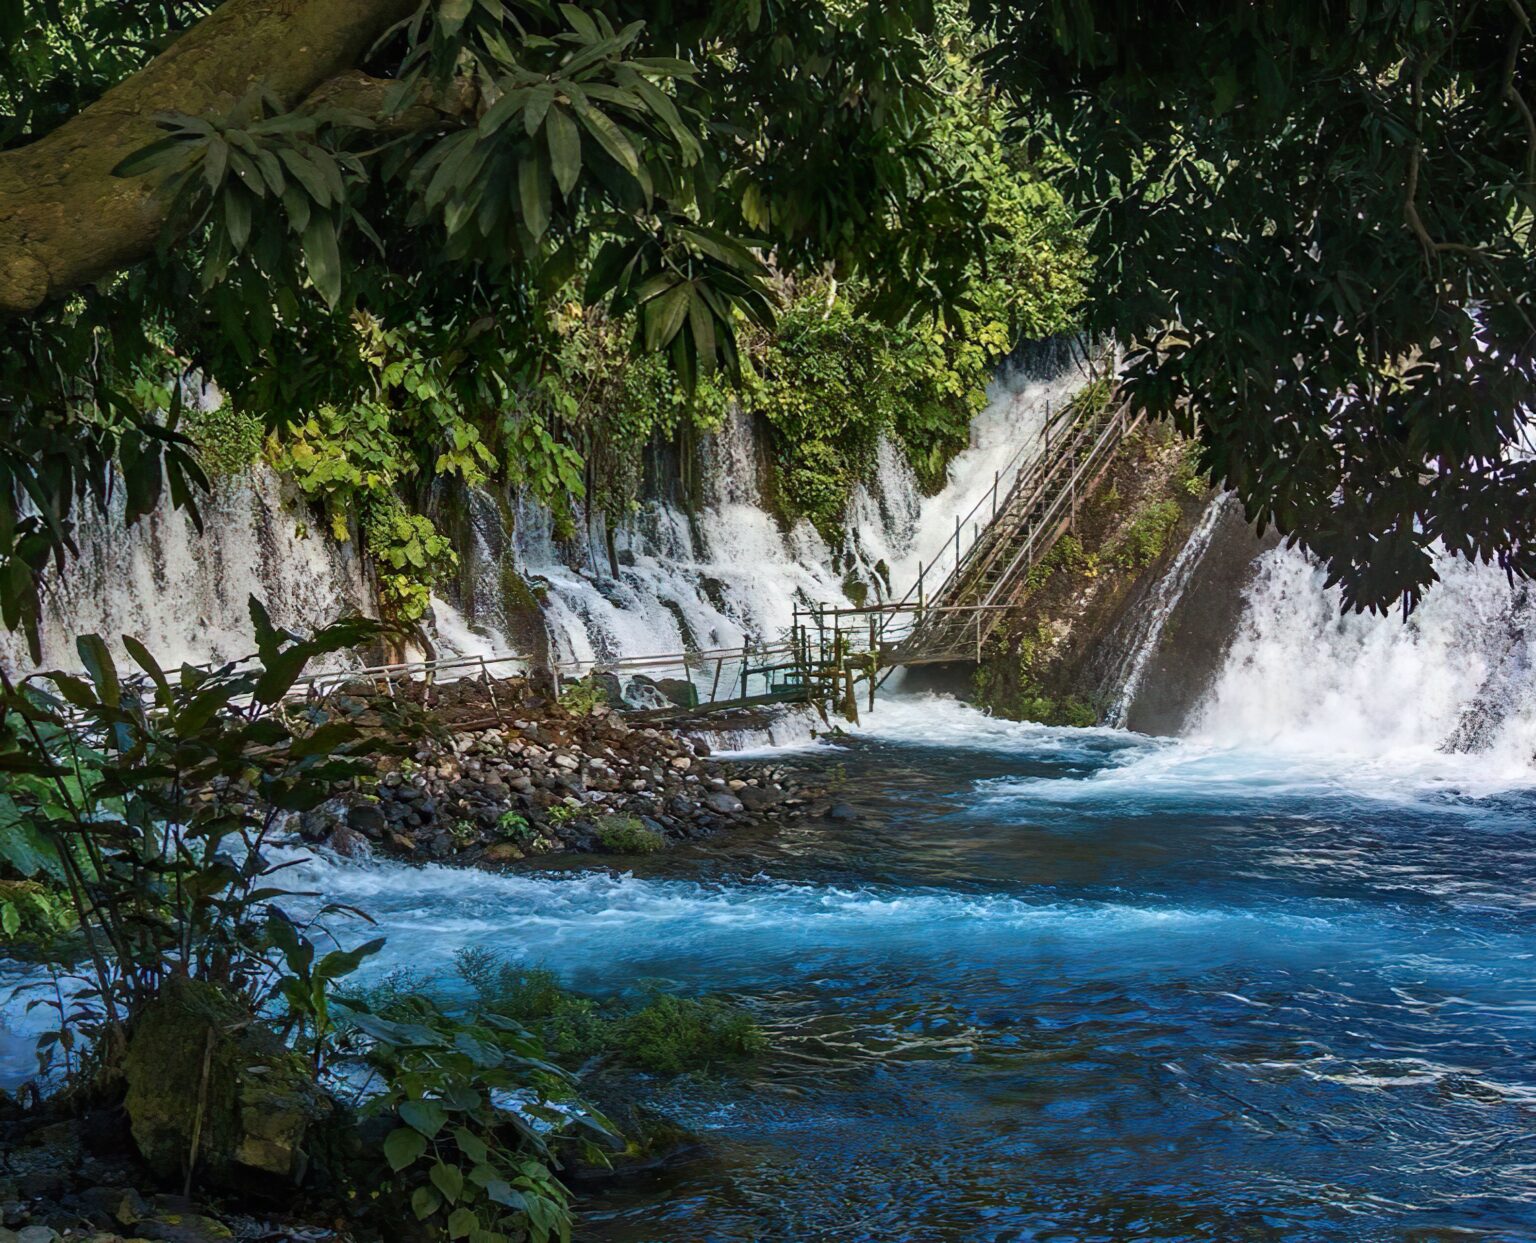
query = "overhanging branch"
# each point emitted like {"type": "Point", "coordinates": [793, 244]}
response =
{"type": "Point", "coordinates": [66, 221]}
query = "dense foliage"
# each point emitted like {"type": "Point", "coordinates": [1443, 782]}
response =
{"type": "Point", "coordinates": [1314, 224]}
{"type": "Point", "coordinates": [491, 164]}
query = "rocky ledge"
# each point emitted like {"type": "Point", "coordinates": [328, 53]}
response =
{"type": "Point", "coordinates": [545, 779]}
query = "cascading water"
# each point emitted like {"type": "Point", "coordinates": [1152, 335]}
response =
{"type": "Point", "coordinates": [185, 593]}
{"type": "Point", "coordinates": [1303, 676]}
{"type": "Point", "coordinates": [1152, 616]}
{"type": "Point", "coordinates": [729, 574]}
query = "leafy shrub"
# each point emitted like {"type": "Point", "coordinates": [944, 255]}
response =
{"type": "Point", "coordinates": [227, 439]}
{"type": "Point", "coordinates": [479, 1113]}
{"type": "Point", "coordinates": [626, 835]}
{"type": "Point", "coordinates": [138, 791]}
{"type": "Point", "coordinates": [673, 1034]}
{"type": "Point", "coordinates": [32, 910]}
{"type": "Point", "coordinates": [1146, 535]}
{"type": "Point", "coordinates": [570, 1024]}
{"type": "Point", "coordinates": [579, 696]}
{"type": "Point", "coordinates": [514, 827]}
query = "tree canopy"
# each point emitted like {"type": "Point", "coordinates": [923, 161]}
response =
{"type": "Point", "coordinates": [1313, 228]}
{"type": "Point", "coordinates": [1311, 225]}
{"type": "Point", "coordinates": [283, 182]}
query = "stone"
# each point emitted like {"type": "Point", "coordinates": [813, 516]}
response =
{"type": "Point", "coordinates": [183, 1228]}
{"type": "Point", "coordinates": [679, 691]}
{"type": "Point", "coordinates": [123, 1205]}
{"type": "Point", "coordinates": [252, 1107]}
{"type": "Point", "coordinates": [757, 799]}
{"type": "Point", "coordinates": [682, 763]}
{"type": "Point", "coordinates": [567, 761]}
{"type": "Point", "coordinates": [348, 843]}
{"type": "Point", "coordinates": [36, 1234]}
{"type": "Point", "coordinates": [725, 804]}
{"type": "Point", "coordinates": [841, 812]}
{"type": "Point", "coordinates": [367, 819]}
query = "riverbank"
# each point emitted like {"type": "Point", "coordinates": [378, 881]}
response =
{"type": "Point", "coordinates": [501, 772]}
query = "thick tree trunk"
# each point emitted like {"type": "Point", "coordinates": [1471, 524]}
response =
{"type": "Point", "coordinates": [66, 221]}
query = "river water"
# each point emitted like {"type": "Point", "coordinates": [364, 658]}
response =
{"type": "Point", "coordinates": [1069, 985]}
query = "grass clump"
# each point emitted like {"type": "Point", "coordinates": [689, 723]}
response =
{"type": "Point", "coordinates": [673, 1034]}
{"type": "Point", "coordinates": [570, 1024]}
{"type": "Point", "coordinates": [666, 1034]}
{"type": "Point", "coordinates": [625, 835]}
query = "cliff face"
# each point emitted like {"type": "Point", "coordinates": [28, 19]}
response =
{"type": "Point", "coordinates": [1061, 658]}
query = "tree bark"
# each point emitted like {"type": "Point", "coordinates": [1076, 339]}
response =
{"type": "Point", "coordinates": [66, 221]}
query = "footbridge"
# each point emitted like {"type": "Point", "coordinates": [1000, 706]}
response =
{"type": "Point", "coordinates": [832, 653]}
{"type": "Point", "coordinates": [959, 597]}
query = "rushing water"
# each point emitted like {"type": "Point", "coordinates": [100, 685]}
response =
{"type": "Point", "coordinates": [1059, 984]}
{"type": "Point", "coordinates": [1272, 980]}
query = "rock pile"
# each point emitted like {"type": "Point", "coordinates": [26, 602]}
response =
{"type": "Point", "coordinates": [553, 782]}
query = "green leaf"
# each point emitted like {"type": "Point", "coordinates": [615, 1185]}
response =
{"type": "Point", "coordinates": [448, 1179]}
{"type": "Point", "coordinates": [427, 1117]}
{"type": "Point", "coordinates": [460, 1222]}
{"type": "Point", "coordinates": [307, 175]}
{"type": "Point", "coordinates": [470, 1144]}
{"type": "Point", "coordinates": [165, 153]}
{"type": "Point", "coordinates": [425, 1201]}
{"type": "Point", "coordinates": [99, 664]}
{"type": "Point", "coordinates": [533, 192]}
{"type": "Point", "coordinates": [610, 137]}
{"type": "Point", "coordinates": [322, 257]}
{"type": "Point", "coordinates": [539, 99]}
{"type": "Point", "coordinates": [564, 140]}
{"type": "Point", "coordinates": [237, 217]}
{"type": "Point", "coordinates": [664, 316]}
{"type": "Point", "coordinates": [404, 1147]}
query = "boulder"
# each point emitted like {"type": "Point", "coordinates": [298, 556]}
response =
{"type": "Point", "coordinates": [198, 1063]}
{"type": "Point", "coordinates": [725, 804]}
{"type": "Point", "coordinates": [679, 691]}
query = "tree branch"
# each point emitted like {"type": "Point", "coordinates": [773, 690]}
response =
{"type": "Point", "coordinates": [66, 221]}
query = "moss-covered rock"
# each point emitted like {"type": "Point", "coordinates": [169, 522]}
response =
{"type": "Point", "coordinates": [212, 1088]}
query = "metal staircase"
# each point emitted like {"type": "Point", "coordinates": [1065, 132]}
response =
{"type": "Point", "coordinates": [953, 620]}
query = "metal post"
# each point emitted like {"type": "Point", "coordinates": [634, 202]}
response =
{"type": "Point", "coordinates": [490, 690]}
{"type": "Point", "coordinates": [715, 688]}
{"type": "Point", "coordinates": [744, 674]}
{"type": "Point", "coordinates": [957, 542]}
{"type": "Point", "coordinates": [920, 600]}
{"type": "Point", "coordinates": [995, 475]}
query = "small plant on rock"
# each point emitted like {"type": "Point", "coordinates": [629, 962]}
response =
{"type": "Point", "coordinates": [513, 826]}
{"type": "Point", "coordinates": [581, 696]}
{"type": "Point", "coordinates": [625, 835]}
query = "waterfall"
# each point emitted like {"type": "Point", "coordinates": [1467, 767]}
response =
{"type": "Point", "coordinates": [1151, 618]}
{"type": "Point", "coordinates": [730, 574]}
{"type": "Point", "coordinates": [184, 594]}
{"type": "Point", "coordinates": [678, 580]}
{"type": "Point", "coordinates": [1303, 676]}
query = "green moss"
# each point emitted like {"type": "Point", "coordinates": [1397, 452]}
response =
{"type": "Point", "coordinates": [673, 1034]}
{"type": "Point", "coordinates": [1145, 537]}
{"type": "Point", "coordinates": [227, 440]}
{"type": "Point", "coordinates": [625, 835]}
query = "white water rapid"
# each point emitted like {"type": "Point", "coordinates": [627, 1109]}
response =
{"type": "Point", "coordinates": [1449, 689]}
